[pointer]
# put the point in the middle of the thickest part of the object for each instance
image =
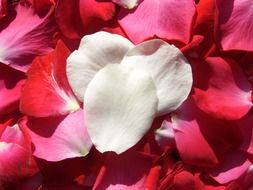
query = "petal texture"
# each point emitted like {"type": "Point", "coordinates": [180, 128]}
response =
{"type": "Point", "coordinates": [120, 104]}
{"type": "Point", "coordinates": [95, 52]}
{"type": "Point", "coordinates": [168, 19]}
{"type": "Point", "coordinates": [169, 69]}
{"type": "Point", "coordinates": [235, 22]}
{"type": "Point", "coordinates": [25, 37]}
{"type": "Point", "coordinates": [131, 175]}
{"type": "Point", "coordinates": [228, 92]}
{"type": "Point", "coordinates": [129, 4]}
{"type": "Point", "coordinates": [46, 91]}
{"type": "Point", "coordinates": [59, 138]}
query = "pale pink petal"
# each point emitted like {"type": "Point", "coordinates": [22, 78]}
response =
{"type": "Point", "coordinates": [235, 24]}
{"type": "Point", "coordinates": [11, 82]}
{"type": "Point", "coordinates": [128, 171]}
{"type": "Point", "coordinates": [169, 69]}
{"type": "Point", "coordinates": [168, 19]}
{"type": "Point", "coordinates": [228, 94]}
{"type": "Point", "coordinates": [95, 52]}
{"type": "Point", "coordinates": [46, 91]}
{"type": "Point", "coordinates": [120, 104]}
{"type": "Point", "coordinates": [25, 37]}
{"type": "Point", "coordinates": [59, 138]}
{"type": "Point", "coordinates": [129, 4]}
{"type": "Point", "coordinates": [234, 165]}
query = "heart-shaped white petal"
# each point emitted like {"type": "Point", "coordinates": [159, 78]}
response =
{"type": "Point", "coordinates": [169, 68]}
{"type": "Point", "coordinates": [95, 51]}
{"type": "Point", "coordinates": [120, 104]}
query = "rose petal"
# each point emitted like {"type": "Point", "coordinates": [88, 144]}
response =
{"type": "Point", "coordinates": [168, 19]}
{"type": "Point", "coordinates": [46, 91]}
{"type": "Point", "coordinates": [235, 164]}
{"type": "Point", "coordinates": [235, 22]}
{"type": "Point", "coordinates": [120, 104]}
{"type": "Point", "coordinates": [169, 69]}
{"type": "Point", "coordinates": [129, 4]}
{"type": "Point", "coordinates": [95, 52]}
{"type": "Point", "coordinates": [191, 143]}
{"type": "Point", "coordinates": [25, 37]}
{"type": "Point", "coordinates": [131, 175]}
{"type": "Point", "coordinates": [80, 17]}
{"type": "Point", "coordinates": [3, 8]}
{"type": "Point", "coordinates": [59, 138]}
{"type": "Point", "coordinates": [228, 95]}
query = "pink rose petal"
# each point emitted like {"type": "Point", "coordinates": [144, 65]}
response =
{"type": "Point", "coordinates": [59, 138]}
{"type": "Point", "coordinates": [168, 19]}
{"type": "Point", "coordinates": [235, 24]}
{"type": "Point", "coordinates": [25, 37]}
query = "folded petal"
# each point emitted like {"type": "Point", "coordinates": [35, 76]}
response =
{"type": "Point", "coordinates": [16, 160]}
{"type": "Point", "coordinates": [228, 92]}
{"type": "Point", "coordinates": [46, 91]}
{"type": "Point", "coordinates": [59, 138]}
{"type": "Point", "coordinates": [11, 82]}
{"type": "Point", "coordinates": [129, 4]}
{"type": "Point", "coordinates": [169, 69]}
{"type": "Point", "coordinates": [25, 37]}
{"type": "Point", "coordinates": [120, 104]}
{"type": "Point", "coordinates": [80, 17]}
{"type": "Point", "coordinates": [168, 19]}
{"type": "Point", "coordinates": [235, 24]}
{"type": "Point", "coordinates": [94, 53]}
{"type": "Point", "coordinates": [131, 175]}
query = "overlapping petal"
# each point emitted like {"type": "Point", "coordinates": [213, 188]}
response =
{"type": "Point", "coordinates": [228, 92]}
{"type": "Point", "coordinates": [79, 17]}
{"type": "Point", "coordinates": [131, 175]}
{"type": "Point", "coordinates": [120, 104]}
{"type": "Point", "coordinates": [59, 138]}
{"type": "Point", "coordinates": [11, 82]}
{"type": "Point", "coordinates": [235, 24]}
{"type": "Point", "coordinates": [16, 160]}
{"type": "Point", "coordinates": [94, 53]}
{"type": "Point", "coordinates": [169, 19]}
{"type": "Point", "coordinates": [169, 69]}
{"type": "Point", "coordinates": [25, 37]}
{"type": "Point", "coordinates": [47, 83]}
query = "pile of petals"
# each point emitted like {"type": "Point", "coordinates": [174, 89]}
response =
{"type": "Point", "coordinates": [126, 95]}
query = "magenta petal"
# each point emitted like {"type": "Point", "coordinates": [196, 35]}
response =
{"type": "Point", "coordinates": [228, 95]}
{"type": "Point", "coordinates": [235, 164]}
{"type": "Point", "coordinates": [235, 24]}
{"type": "Point", "coordinates": [191, 143]}
{"type": "Point", "coordinates": [168, 19]}
{"type": "Point", "coordinates": [11, 82]}
{"type": "Point", "coordinates": [14, 162]}
{"type": "Point", "coordinates": [127, 171]}
{"type": "Point", "coordinates": [46, 91]}
{"type": "Point", "coordinates": [25, 37]}
{"type": "Point", "coordinates": [59, 138]}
